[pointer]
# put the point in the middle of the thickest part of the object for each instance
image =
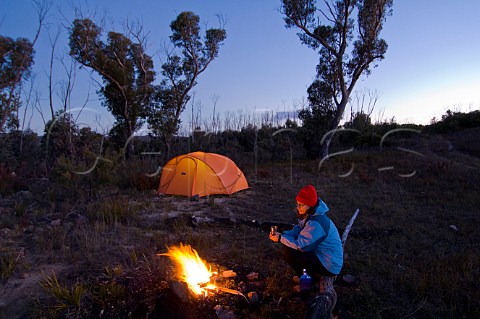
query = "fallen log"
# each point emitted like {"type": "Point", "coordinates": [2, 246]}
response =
{"type": "Point", "coordinates": [349, 226]}
{"type": "Point", "coordinates": [197, 220]}
{"type": "Point", "coordinates": [321, 304]}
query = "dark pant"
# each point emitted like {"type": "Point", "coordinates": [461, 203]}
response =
{"type": "Point", "coordinates": [300, 260]}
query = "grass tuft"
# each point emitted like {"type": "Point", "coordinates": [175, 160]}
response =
{"type": "Point", "coordinates": [7, 265]}
{"type": "Point", "coordinates": [66, 298]}
{"type": "Point", "coordinates": [113, 211]}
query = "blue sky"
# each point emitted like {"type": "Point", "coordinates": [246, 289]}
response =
{"type": "Point", "coordinates": [432, 63]}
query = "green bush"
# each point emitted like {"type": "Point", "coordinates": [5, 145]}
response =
{"type": "Point", "coordinates": [455, 121]}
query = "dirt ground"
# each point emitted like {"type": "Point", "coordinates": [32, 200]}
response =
{"type": "Point", "coordinates": [231, 232]}
{"type": "Point", "coordinates": [20, 292]}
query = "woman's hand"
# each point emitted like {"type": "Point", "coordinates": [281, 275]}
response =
{"type": "Point", "coordinates": [275, 237]}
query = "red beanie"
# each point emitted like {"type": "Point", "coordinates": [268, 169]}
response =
{"type": "Point", "coordinates": [307, 196]}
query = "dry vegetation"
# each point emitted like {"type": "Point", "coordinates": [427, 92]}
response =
{"type": "Point", "coordinates": [413, 249]}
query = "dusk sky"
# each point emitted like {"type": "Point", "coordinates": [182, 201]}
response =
{"type": "Point", "coordinates": [432, 63]}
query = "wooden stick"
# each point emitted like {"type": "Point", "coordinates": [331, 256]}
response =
{"type": "Point", "coordinates": [322, 304]}
{"type": "Point", "coordinates": [230, 291]}
{"type": "Point", "coordinates": [349, 226]}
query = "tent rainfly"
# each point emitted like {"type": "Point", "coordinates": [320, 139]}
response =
{"type": "Point", "coordinates": [201, 174]}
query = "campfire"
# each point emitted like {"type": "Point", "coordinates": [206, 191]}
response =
{"type": "Point", "coordinates": [195, 272]}
{"type": "Point", "coordinates": [191, 269]}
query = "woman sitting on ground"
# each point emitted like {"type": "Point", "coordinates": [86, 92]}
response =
{"type": "Point", "coordinates": [314, 243]}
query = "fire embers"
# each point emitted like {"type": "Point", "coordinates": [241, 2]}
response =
{"type": "Point", "coordinates": [191, 269]}
{"type": "Point", "coordinates": [213, 287]}
{"type": "Point", "coordinates": [197, 274]}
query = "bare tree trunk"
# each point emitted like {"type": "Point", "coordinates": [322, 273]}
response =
{"type": "Point", "coordinates": [333, 126]}
{"type": "Point", "coordinates": [167, 147]}
{"type": "Point", "coordinates": [53, 44]}
{"type": "Point", "coordinates": [130, 147]}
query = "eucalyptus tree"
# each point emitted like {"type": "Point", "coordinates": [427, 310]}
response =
{"type": "Point", "coordinates": [16, 59]}
{"type": "Point", "coordinates": [190, 56]}
{"type": "Point", "coordinates": [346, 35]}
{"type": "Point", "coordinates": [126, 70]}
{"type": "Point", "coordinates": [317, 118]}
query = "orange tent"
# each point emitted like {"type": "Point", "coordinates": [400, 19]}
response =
{"type": "Point", "coordinates": [201, 174]}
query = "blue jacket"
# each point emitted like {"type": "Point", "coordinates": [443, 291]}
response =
{"type": "Point", "coordinates": [317, 233]}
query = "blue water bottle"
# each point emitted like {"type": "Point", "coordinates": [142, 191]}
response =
{"type": "Point", "coordinates": [305, 285]}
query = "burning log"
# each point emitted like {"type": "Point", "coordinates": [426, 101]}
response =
{"type": "Point", "coordinates": [231, 291]}
{"type": "Point", "coordinates": [228, 274]}
{"type": "Point", "coordinates": [196, 274]}
{"type": "Point", "coordinates": [192, 270]}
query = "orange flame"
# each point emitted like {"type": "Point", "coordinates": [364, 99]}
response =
{"type": "Point", "coordinates": [191, 268]}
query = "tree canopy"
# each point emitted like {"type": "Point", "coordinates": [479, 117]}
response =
{"type": "Point", "coordinates": [191, 56]}
{"type": "Point", "coordinates": [16, 59]}
{"type": "Point", "coordinates": [128, 73]}
{"type": "Point", "coordinates": [347, 45]}
{"type": "Point", "coordinates": [126, 70]}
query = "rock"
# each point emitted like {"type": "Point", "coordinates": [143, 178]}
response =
{"type": "Point", "coordinates": [38, 185]}
{"type": "Point", "coordinates": [252, 276]}
{"type": "Point", "coordinates": [5, 232]}
{"type": "Point", "coordinates": [224, 313]}
{"type": "Point", "coordinates": [197, 220]}
{"type": "Point", "coordinates": [252, 297]}
{"type": "Point", "coordinates": [349, 279]}
{"type": "Point", "coordinates": [23, 196]}
{"type": "Point", "coordinates": [56, 222]}
{"type": "Point", "coordinates": [82, 219]}
{"type": "Point", "coordinates": [29, 229]}
{"type": "Point", "coordinates": [242, 287]}
{"type": "Point", "coordinates": [180, 290]}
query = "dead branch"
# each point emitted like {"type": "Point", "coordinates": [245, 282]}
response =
{"type": "Point", "coordinates": [322, 304]}
{"type": "Point", "coordinates": [349, 226]}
